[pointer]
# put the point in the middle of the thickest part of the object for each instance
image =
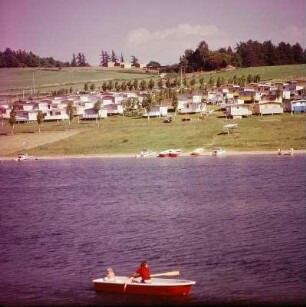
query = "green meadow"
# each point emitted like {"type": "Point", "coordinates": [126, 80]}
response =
{"type": "Point", "coordinates": [129, 135]}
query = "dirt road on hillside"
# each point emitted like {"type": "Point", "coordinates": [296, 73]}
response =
{"type": "Point", "coordinates": [10, 144]}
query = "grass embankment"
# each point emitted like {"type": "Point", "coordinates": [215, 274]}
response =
{"type": "Point", "coordinates": [19, 81]}
{"type": "Point", "coordinates": [126, 135]}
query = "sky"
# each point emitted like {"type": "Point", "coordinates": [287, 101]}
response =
{"type": "Point", "coordinates": [151, 30]}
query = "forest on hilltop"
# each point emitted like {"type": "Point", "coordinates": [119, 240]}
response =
{"type": "Point", "coordinates": [246, 54]}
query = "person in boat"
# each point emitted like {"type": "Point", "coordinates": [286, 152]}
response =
{"type": "Point", "coordinates": [110, 275]}
{"type": "Point", "coordinates": [144, 272]}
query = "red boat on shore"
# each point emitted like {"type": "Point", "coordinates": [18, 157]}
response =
{"type": "Point", "coordinates": [172, 153]}
{"type": "Point", "coordinates": [158, 286]}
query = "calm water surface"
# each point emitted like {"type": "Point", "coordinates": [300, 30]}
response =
{"type": "Point", "coordinates": [235, 225]}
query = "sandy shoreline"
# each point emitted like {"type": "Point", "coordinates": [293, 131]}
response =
{"type": "Point", "coordinates": [184, 154]}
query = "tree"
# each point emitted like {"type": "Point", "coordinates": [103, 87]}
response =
{"type": "Point", "coordinates": [74, 61]}
{"type": "Point", "coordinates": [92, 87]}
{"type": "Point", "coordinates": [123, 86]}
{"type": "Point", "coordinates": [153, 64]}
{"type": "Point", "coordinates": [211, 82]}
{"type": "Point", "coordinates": [201, 81]}
{"type": "Point", "coordinates": [114, 58]}
{"type": "Point", "coordinates": [147, 104]}
{"type": "Point", "coordinates": [249, 79]}
{"type": "Point", "coordinates": [151, 84]}
{"type": "Point", "coordinates": [134, 61]}
{"type": "Point", "coordinates": [297, 53]}
{"type": "Point", "coordinates": [97, 108]}
{"type": "Point", "coordinates": [174, 102]}
{"type": "Point", "coordinates": [132, 104]}
{"type": "Point", "coordinates": [12, 119]}
{"type": "Point", "coordinates": [40, 119]}
{"type": "Point", "coordinates": [104, 86]}
{"type": "Point", "coordinates": [81, 60]}
{"type": "Point", "coordinates": [86, 87]}
{"type": "Point", "coordinates": [143, 85]}
{"type": "Point", "coordinates": [192, 82]}
{"type": "Point", "coordinates": [70, 111]}
{"type": "Point", "coordinates": [110, 85]}
{"type": "Point", "coordinates": [117, 86]}
{"type": "Point", "coordinates": [135, 84]}
{"type": "Point", "coordinates": [104, 58]}
{"type": "Point", "coordinates": [160, 83]}
{"type": "Point", "coordinates": [121, 58]}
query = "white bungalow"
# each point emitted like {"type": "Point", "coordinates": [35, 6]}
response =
{"type": "Point", "coordinates": [26, 116]}
{"type": "Point", "coordinates": [56, 114]}
{"type": "Point", "coordinates": [296, 106]}
{"type": "Point", "coordinates": [92, 114]}
{"type": "Point", "coordinates": [113, 109]}
{"type": "Point", "coordinates": [192, 107]}
{"type": "Point", "coordinates": [156, 111]}
{"type": "Point", "coordinates": [268, 108]}
{"type": "Point", "coordinates": [238, 111]}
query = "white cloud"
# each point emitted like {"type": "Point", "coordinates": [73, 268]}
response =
{"type": "Point", "coordinates": [167, 45]}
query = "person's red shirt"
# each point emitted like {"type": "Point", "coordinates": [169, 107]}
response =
{"type": "Point", "coordinates": [144, 272]}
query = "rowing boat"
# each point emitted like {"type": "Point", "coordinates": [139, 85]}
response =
{"type": "Point", "coordinates": [158, 286]}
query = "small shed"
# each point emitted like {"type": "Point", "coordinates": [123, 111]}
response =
{"type": "Point", "coordinates": [192, 107]}
{"type": "Point", "coordinates": [296, 106]}
{"type": "Point", "coordinates": [156, 111]}
{"type": "Point", "coordinates": [238, 111]}
{"type": "Point", "coordinates": [268, 108]}
{"type": "Point", "coordinates": [93, 114]}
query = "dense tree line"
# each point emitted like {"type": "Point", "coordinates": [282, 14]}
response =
{"type": "Point", "coordinates": [21, 58]}
{"type": "Point", "coordinates": [246, 54]}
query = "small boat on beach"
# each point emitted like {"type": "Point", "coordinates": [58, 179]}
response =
{"type": "Point", "coordinates": [146, 153]}
{"type": "Point", "coordinates": [172, 153]}
{"type": "Point", "coordinates": [217, 151]}
{"type": "Point", "coordinates": [24, 156]}
{"type": "Point", "coordinates": [197, 151]}
{"type": "Point", "coordinates": [164, 154]}
{"type": "Point", "coordinates": [158, 286]}
{"type": "Point", "coordinates": [289, 153]}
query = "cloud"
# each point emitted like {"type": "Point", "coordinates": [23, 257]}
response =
{"type": "Point", "coordinates": [167, 45]}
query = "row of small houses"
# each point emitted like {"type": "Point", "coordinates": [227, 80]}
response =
{"type": "Point", "coordinates": [258, 100]}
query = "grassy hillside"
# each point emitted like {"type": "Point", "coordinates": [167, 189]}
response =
{"type": "Point", "coordinates": [267, 73]}
{"type": "Point", "coordinates": [116, 135]}
{"type": "Point", "coordinates": [15, 80]}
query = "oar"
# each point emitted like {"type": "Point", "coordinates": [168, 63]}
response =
{"type": "Point", "coordinates": [125, 285]}
{"type": "Point", "coordinates": [171, 273]}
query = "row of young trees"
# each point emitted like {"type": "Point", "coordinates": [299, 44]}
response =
{"type": "Point", "coordinates": [161, 84]}
{"type": "Point", "coordinates": [246, 54]}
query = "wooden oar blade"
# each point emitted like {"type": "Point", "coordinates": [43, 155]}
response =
{"type": "Point", "coordinates": [171, 273]}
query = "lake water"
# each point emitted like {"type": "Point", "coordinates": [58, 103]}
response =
{"type": "Point", "coordinates": [234, 224]}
